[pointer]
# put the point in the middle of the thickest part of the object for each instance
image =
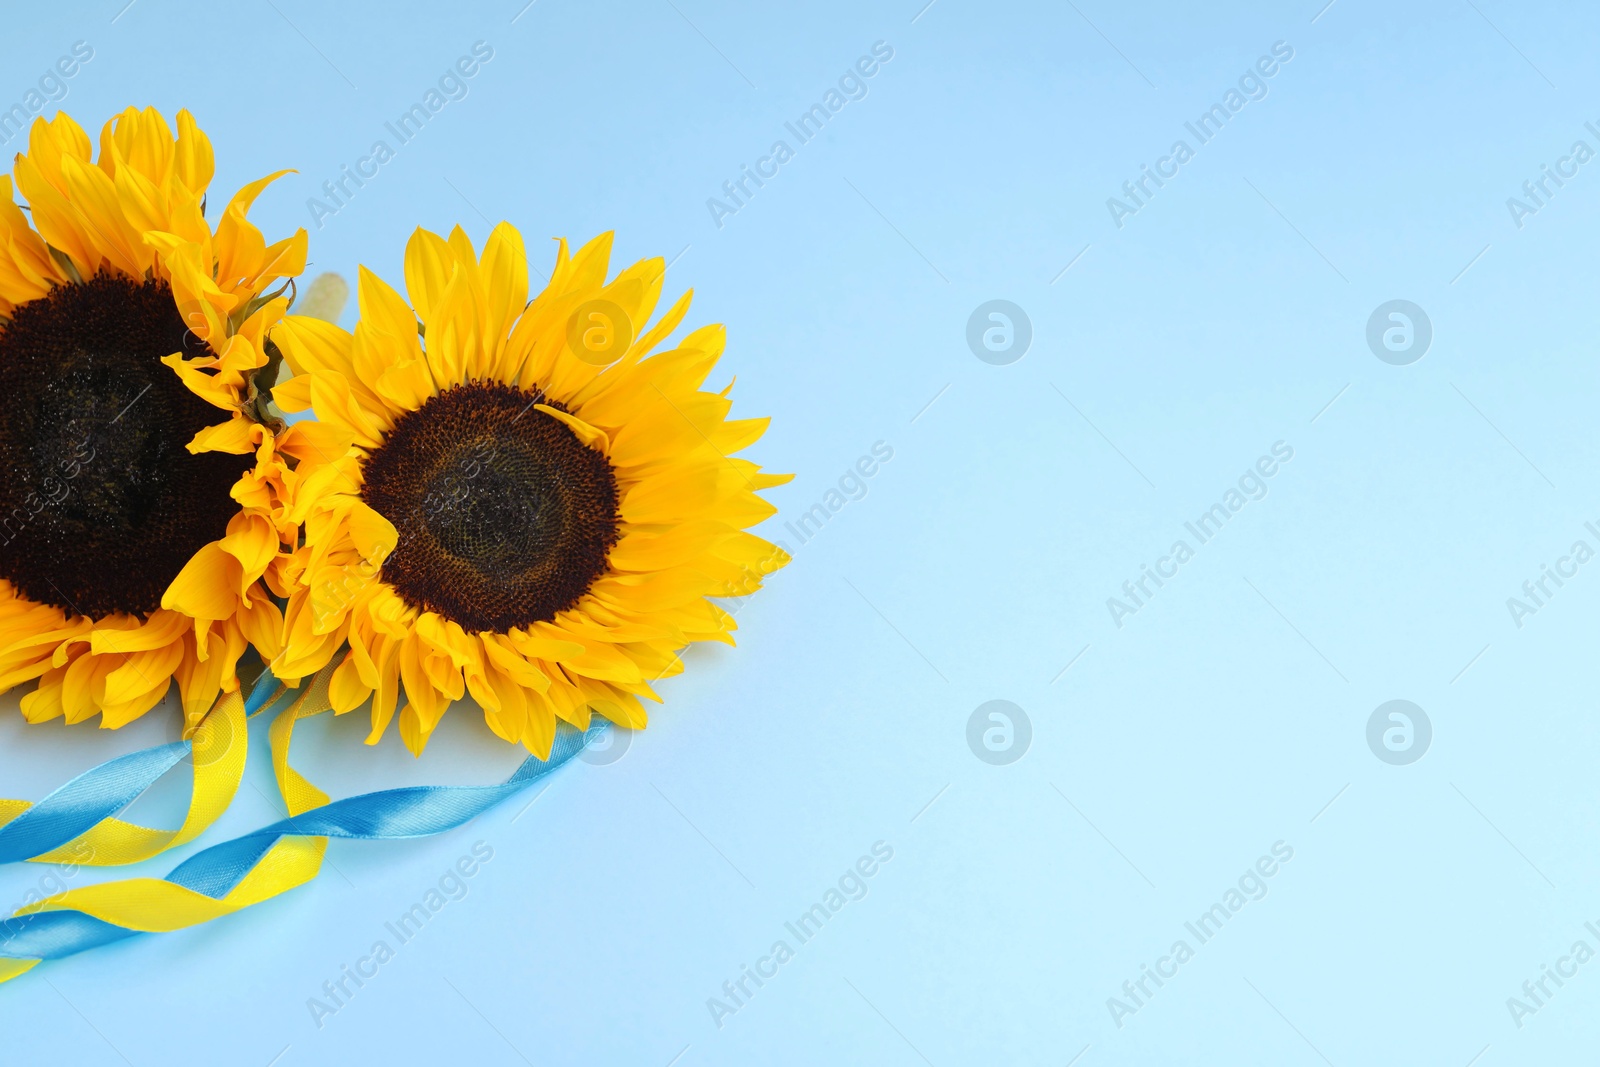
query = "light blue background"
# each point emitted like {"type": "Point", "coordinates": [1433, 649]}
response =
{"type": "Point", "coordinates": [1223, 717]}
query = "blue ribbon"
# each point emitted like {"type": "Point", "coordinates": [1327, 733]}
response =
{"type": "Point", "coordinates": [101, 792]}
{"type": "Point", "coordinates": [260, 695]}
{"type": "Point", "coordinates": [415, 811]}
{"type": "Point", "coordinates": [91, 797]}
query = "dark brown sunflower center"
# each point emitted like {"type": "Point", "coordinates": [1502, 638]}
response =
{"type": "Point", "coordinates": [101, 504]}
{"type": "Point", "coordinates": [504, 516]}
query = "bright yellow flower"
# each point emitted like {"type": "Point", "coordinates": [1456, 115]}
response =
{"type": "Point", "coordinates": [531, 511]}
{"type": "Point", "coordinates": [141, 504]}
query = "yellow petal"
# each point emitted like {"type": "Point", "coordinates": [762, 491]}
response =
{"type": "Point", "coordinates": [374, 535]}
{"type": "Point", "coordinates": [206, 587]}
{"type": "Point", "coordinates": [589, 435]}
{"type": "Point", "coordinates": [253, 541]}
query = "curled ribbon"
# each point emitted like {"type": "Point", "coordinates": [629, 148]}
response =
{"type": "Point", "coordinates": [76, 823]}
{"type": "Point", "coordinates": [233, 875]}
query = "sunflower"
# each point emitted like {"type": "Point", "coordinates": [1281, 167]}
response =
{"type": "Point", "coordinates": [142, 502]}
{"type": "Point", "coordinates": [530, 511]}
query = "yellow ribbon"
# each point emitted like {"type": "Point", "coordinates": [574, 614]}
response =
{"type": "Point", "coordinates": [10, 968]}
{"type": "Point", "coordinates": [155, 905]}
{"type": "Point", "coordinates": [221, 744]}
{"type": "Point", "coordinates": [299, 794]}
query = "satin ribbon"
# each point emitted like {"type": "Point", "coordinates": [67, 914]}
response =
{"type": "Point", "coordinates": [75, 824]}
{"type": "Point", "coordinates": [233, 875]}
